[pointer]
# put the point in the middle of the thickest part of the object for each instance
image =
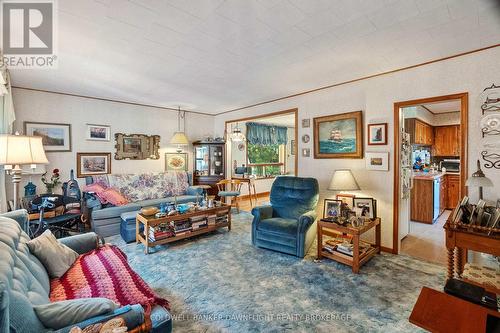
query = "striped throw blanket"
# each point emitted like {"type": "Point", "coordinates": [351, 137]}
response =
{"type": "Point", "coordinates": [104, 272]}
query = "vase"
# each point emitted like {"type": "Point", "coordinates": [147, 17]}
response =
{"type": "Point", "coordinates": [50, 189]}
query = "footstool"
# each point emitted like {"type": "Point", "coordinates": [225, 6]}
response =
{"type": "Point", "coordinates": [127, 226]}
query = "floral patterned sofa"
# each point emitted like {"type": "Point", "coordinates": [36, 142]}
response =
{"type": "Point", "coordinates": [141, 190]}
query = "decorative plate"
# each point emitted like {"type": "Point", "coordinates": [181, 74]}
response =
{"type": "Point", "coordinates": [306, 138]}
{"type": "Point", "coordinates": [490, 124]}
{"type": "Point", "coordinates": [241, 146]}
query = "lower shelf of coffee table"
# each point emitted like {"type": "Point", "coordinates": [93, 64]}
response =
{"type": "Point", "coordinates": [348, 260]}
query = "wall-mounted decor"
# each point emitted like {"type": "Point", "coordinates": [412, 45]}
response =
{"type": "Point", "coordinates": [377, 161]}
{"type": "Point", "coordinates": [491, 97]}
{"type": "Point", "coordinates": [490, 124]}
{"type": "Point", "coordinates": [137, 146]}
{"type": "Point", "coordinates": [98, 132]}
{"type": "Point", "coordinates": [176, 161]}
{"type": "Point", "coordinates": [306, 123]}
{"type": "Point", "coordinates": [339, 136]}
{"type": "Point", "coordinates": [366, 207]}
{"type": "Point", "coordinates": [492, 160]}
{"type": "Point", "coordinates": [306, 152]}
{"type": "Point", "coordinates": [55, 137]}
{"type": "Point", "coordinates": [241, 146]}
{"type": "Point", "coordinates": [89, 164]}
{"type": "Point", "coordinates": [332, 208]}
{"type": "Point", "coordinates": [292, 147]}
{"type": "Point", "coordinates": [377, 134]}
{"type": "Point", "coordinates": [306, 138]}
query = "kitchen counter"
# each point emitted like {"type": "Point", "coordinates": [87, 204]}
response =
{"type": "Point", "coordinates": [427, 175]}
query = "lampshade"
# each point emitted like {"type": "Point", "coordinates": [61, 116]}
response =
{"type": "Point", "coordinates": [343, 180]}
{"type": "Point", "coordinates": [478, 178]}
{"type": "Point", "coordinates": [179, 138]}
{"type": "Point", "coordinates": [21, 149]}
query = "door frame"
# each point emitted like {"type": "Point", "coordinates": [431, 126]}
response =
{"type": "Point", "coordinates": [464, 118]}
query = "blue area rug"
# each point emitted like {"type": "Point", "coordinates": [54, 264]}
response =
{"type": "Point", "coordinates": [219, 282]}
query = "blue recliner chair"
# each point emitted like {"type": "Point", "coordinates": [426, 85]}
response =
{"type": "Point", "coordinates": [288, 225]}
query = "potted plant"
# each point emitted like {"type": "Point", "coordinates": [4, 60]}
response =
{"type": "Point", "coordinates": [53, 182]}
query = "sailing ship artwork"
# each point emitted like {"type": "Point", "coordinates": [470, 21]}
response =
{"type": "Point", "coordinates": [338, 136]}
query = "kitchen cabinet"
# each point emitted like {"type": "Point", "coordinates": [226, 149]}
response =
{"type": "Point", "coordinates": [446, 141]}
{"type": "Point", "coordinates": [428, 198]}
{"type": "Point", "coordinates": [420, 132]}
{"type": "Point", "coordinates": [452, 191]}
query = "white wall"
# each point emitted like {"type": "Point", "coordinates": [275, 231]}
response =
{"type": "Point", "coordinates": [124, 118]}
{"type": "Point", "coordinates": [376, 97]}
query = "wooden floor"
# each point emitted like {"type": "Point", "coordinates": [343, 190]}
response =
{"type": "Point", "coordinates": [261, 200]}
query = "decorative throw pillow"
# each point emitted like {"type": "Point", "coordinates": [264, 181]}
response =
{"type": "Point", "coordinates": [65, 313]}
{"type": "Point", "coordinates": [55, 256]}
{"type": "Point", "coordinates": [114, 197]}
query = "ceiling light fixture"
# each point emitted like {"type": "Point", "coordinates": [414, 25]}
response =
{"type": "Point", "coordinates": [179, 138]}
{"type": "Point", "coordinates": [236, 135]}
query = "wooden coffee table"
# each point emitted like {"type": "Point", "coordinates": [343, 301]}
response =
{"type": "Point", "coordinates": [152, 221]}
{"type": "Point", "coordinates": [357, 260]}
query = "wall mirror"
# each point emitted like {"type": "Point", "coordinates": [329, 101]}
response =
{"type": "Point", "coordinates": [137, 146]}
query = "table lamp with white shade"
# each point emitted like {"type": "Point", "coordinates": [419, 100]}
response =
{"type": "Point", "coordinates": [17, 150]}
{"type": "Point", "coordinates": [478, 179]}
{"type": "Point", "coordinates": [343, 180]}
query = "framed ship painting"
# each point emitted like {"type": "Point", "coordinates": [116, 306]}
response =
{"type": "Point", "coordinates": [339, 136]}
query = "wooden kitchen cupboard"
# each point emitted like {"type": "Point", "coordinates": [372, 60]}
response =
{"type": "Point", "coordinates": [446, 140]}
{"type": "Point", "coordinates": [453, 190]}
{"type": "Point", "coordinates": [420, 132]}
{"type": "Point", "coordinates": [421, 205]}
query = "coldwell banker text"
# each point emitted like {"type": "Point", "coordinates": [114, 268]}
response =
{"type": "Point", "coordinates": [28, 34]}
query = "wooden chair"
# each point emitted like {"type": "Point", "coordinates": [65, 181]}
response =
{"type": "Point", "coordinates": [230, 188]}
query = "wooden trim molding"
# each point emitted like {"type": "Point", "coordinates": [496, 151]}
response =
{"type": "Point", "coordinates": [361, 78]}
{"type": "Point", "coordinates": [464, 116]}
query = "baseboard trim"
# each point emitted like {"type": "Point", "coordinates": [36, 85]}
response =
{"type": "Point", "coordinates": [386, 249]}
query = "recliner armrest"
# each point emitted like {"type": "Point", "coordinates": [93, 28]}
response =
{"type": "Point", "coordinates": [83, 243]}
{"type": "Point", "coordinates": [306, 220]}
{"type": "Point", "coordinates": [20, 216]}
{"type": "Point", "coordinates": [262, 212]}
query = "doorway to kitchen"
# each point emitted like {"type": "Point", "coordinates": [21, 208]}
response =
{"type": "Point", "coordinates": [430, 169]}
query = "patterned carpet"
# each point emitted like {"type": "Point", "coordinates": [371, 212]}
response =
{"type": "Point", "coordinates": [220, 283]}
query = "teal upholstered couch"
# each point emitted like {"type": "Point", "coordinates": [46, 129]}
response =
{"type": "Point", "coordinates": [142, 190]}
{"type": "Point", "coordinates": [288, 224]}
{"type": "Point", "coordinates": [24, 283]}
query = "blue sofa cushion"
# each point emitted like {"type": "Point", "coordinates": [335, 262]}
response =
{"type": "Point", "coordinates": [157, 202]}
{"type": "Point", "coordinates": [57, 315]}
{"type": "Point", "coordinates": [111, 212]}
{"type": "Point", "coordinates": [279, 225]}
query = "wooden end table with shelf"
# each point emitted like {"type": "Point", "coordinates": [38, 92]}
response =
{"type": "Point", "coordinates": [152, 221]}
{"type": "Point", "coordinates": [334, 230]}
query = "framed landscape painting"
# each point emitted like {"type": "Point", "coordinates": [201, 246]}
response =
{"type": "Point", "coordinates": [98, 132]}
{"type": "Point", "coordinates": [339, 136]}
{"type": "Point", "coordinates": [377, 134]}
{"type": "Point", "coordinates": [90, 164]}
{"type": "Point", "coordinates": [55, 137]}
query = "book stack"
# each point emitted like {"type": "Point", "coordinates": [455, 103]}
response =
{"type": "Point", "coordinates": [181, 227]}
{"type": "Point", "coordinates": [221, 218]}
{"type": "Point", "coordinates": [345, 247]}
{"type": "Point", "coordinates": [211, 219]}
{"type": "Point", "coordinates": [160, 232]}
{"type": "Point", "coordinates": [199, 222]}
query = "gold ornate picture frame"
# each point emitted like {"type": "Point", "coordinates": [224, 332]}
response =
{"type": "Point", "coordinates": [137, 146]}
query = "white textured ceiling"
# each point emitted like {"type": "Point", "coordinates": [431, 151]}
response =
{"type": "Point", "coordinates": [444, 107]}
{"type": "Point", "coordinates": [221, 55]}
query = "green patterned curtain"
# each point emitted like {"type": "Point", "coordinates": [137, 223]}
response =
{"type": "Point", "coordinates": [262, 134]}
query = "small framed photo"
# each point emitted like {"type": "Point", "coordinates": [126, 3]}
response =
{"type": "Point", "coordinates": [90, 164]}
{"type": "Point", "coordinates": [377, 134]}
{"type": "Point", "coordinates": [306, 123]}
{"type": "Point", "coordinates": [292, 147]}
{"type": "Point", "coordinates": [347, 199]}
{"type": "Point", "coordinates": [176, 161]}
{"type": "Point", "coordinates": [377, 161]}
{"type": "Point", "coordinates": [366, 207]}
{"type": "Point", "coordinates": [98, 132]}
{"type": "Point", "coordinates": [306, 152]}
{"type": "Point", "coordinates": [55, 137]}
{"type": "Point", "coordinates": [332, 208]}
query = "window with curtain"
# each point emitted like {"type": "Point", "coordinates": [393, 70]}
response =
{"type": "Point", "coordinates": [266, 149]}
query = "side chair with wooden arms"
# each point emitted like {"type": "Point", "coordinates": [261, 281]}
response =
{"type": "Point", "coordinates": [230, 188]}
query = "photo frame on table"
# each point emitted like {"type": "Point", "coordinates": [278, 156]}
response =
{"type": "Point", "coordinates": [377, 161]}
{"type": "Point", "coordinates": [377, 134]}
{"type": "Point", "coordinates": [346, 198]}
{"type": "Point", "coordinates": [332, 208]}
{"type": "Point", "coordinates": [176, 161]}
{"type": "Point", "coordinates": [339, 136]}
{"type": "Point", "coordinates": [55, 137]}
{"type": "Point", "coordinates": [91, 164]}
{"type": "Point", "coordinates": [98, 132]}
{"type": "Point", "coordinates": [366, 207]}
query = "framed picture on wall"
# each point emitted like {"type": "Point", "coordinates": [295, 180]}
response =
{"type": "Point", "coordinates": [306, 123]}
{"type": "Point", "coordinates": [55, 137]}
{"type": "Point", "coordinates": [90, 164]}
{"type": "Point", "coordinates": [292, 147]}
{"type": "Point", "coordinates": [98, 132]}
{"type": "Point", "coordinates": [176, 161]}
{"type": "Point", "coordinates": [377, 161]}
{"type": "Point", "coordinates": [339, 136]}
{"type": "Point", "coordinates": [306, 152]}
{"type": "Point", "coordinates": [377, 134]}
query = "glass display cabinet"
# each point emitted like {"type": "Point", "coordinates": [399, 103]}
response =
{"type": "Point", "coordinates": [209, 164]}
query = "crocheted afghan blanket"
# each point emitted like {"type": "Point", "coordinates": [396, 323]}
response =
{"type": "Point", "coordinates": [104, 272]}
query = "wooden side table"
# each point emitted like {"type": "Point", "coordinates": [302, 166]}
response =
{"type": "Point", "coordinates": [334, 230]}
